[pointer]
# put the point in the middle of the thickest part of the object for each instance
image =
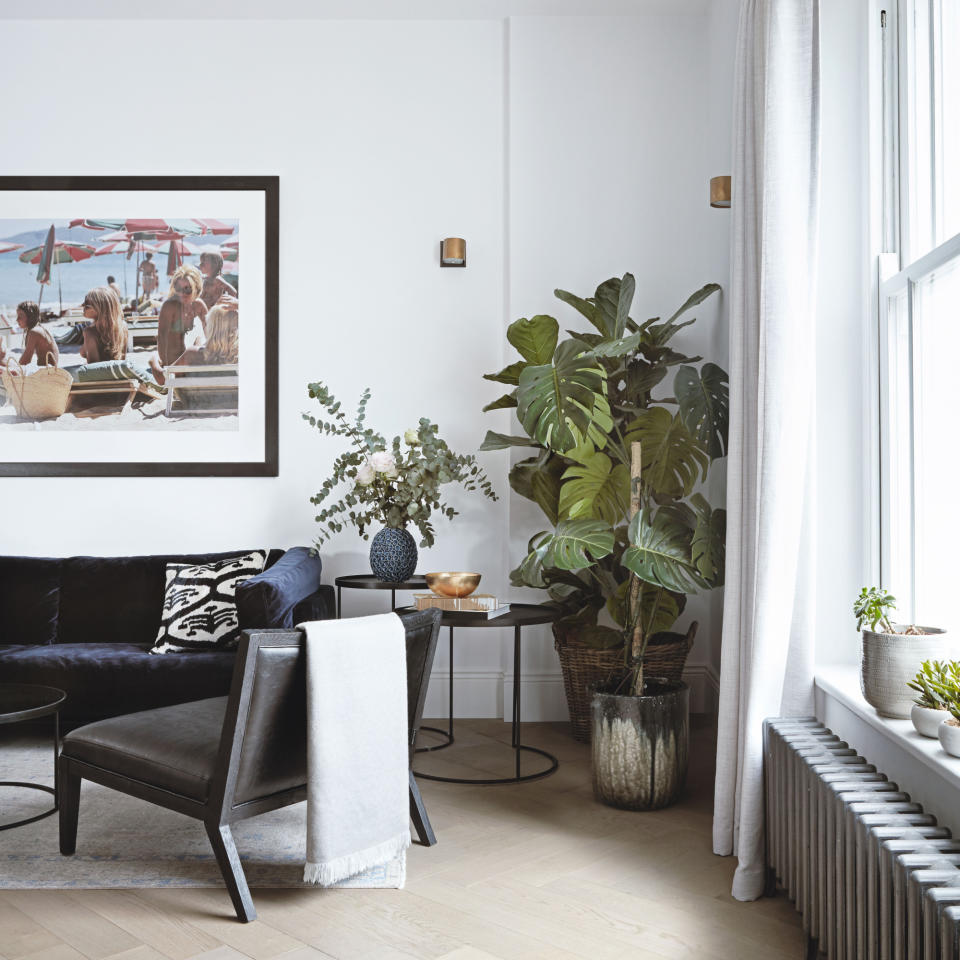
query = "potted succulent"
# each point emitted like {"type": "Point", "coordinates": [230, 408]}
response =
{"type": "Point", "coordinates": [395, 484]}
{"type": "Point", "coordinates": [616, 464]}
{"type": "Point", "coordinates": [949, 730]}
{"type": "Point", "coordinates": [929, 708]}
{"type": "Point", "coordinates": [891, 654]}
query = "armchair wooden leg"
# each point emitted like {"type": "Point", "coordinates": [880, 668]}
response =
{"type": "Point", "coordinates": [221, 839]}
{"type": "Point", "coordinates": [418, 814]}
{"type": "Point", "coordinates": [68, 799]}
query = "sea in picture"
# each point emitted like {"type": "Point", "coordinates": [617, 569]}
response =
{"type": "Point", "coordinates": [135, 359]}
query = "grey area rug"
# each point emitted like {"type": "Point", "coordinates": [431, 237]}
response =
{"type": "Point", "coordinates": [125, 842]}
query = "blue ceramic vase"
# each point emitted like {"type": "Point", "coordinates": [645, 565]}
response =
{"type": "Point", "coordinates": [393, 555]}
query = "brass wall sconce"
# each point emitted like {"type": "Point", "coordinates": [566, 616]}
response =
{"type": "Point", "coordinates": [720, 191]}
{"type": "Point", "coordinates": [453, 252]}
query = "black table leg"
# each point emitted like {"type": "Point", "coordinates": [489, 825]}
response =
{"type": "Point", "coordinates": [448, 733]}
{"type": "Point", "coordinates": [39, 786]}
{"type": "Point", "coordinates": [338, 601]}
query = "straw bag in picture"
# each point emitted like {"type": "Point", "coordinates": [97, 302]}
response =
{"type": "Point", "coordinates": [38, 395]}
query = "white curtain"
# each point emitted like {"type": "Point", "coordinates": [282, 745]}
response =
{"type": "Point", "coordinates": [767, 659]}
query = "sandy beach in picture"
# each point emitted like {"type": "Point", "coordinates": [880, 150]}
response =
{"type": "Point", "coordinates": [119, 325]}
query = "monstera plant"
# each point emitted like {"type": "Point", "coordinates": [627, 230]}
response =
{"type": "Point", "coordinates": [624, 427]}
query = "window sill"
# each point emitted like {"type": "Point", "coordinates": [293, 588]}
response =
{"type": "Point", "coordinates": [893, 746]}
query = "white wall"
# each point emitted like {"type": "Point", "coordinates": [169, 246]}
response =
{"type": "Point", "coordinates": [387, 136]}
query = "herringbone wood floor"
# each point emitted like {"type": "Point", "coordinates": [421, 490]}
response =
{"type": "Point", "coordinates": [537, 871]}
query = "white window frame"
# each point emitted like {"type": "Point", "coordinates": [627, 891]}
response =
{"type": "Point", "coordinates": [897, 277]}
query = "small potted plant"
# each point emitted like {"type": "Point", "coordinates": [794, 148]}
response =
{"type": "Point", "coordinates": [949, 730]}
{"type": "Point", "coordinates": [392, 484]}
{"type": "Point", "coordinates": [930, 705]}
{"type": "Point", "coordinates": [892, 653]}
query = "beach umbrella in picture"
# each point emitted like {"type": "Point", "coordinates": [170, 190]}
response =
{"type": "Point", "coordinates": [56, 252]}
{"type": "Point", "coordinates": [7, 246]}
{"type": "Point", "coordinates": [143, 227]}
{"type": "Point", "coordinates": [184, 248]}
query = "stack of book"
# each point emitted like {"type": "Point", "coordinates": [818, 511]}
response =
{"type": "Point", "coordinates": [477, 606]}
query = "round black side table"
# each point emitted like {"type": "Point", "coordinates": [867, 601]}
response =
{"type": "Point", "coordinates": [19, 702]}
{"type": "Point", "coordinates": [520, 615]}
{"type": "Point", "coordinates": [367, 581]}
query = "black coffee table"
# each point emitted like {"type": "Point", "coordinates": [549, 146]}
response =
{"type": "Point", "coordinates": [367, 581]}
{"type": "Point", "coordinates": [19, 702]}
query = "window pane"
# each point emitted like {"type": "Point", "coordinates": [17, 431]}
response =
{"type": "Point", "coordinates": [917, 178]}
{"type": "Point", "coordinates": [936, 453]}
{"type": "Point", "coordinates": [948, 120]}
{"type": "Point", "coordinates": [897, 572]}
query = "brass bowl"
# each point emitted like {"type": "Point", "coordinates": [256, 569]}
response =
{"type": "Point", "coordinates": [447, 584]}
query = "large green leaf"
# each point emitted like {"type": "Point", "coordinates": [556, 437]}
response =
{"type": "Point", "coordinates": [586, 307]}
{"type": "Point", "coordinates": [558, 403]}
{"type": "Point", "coordinates": [708, 546]}
{"type": "Point", "coordinates": [672, 459]}
{"type": "Point", "coordinates": [539, 479]}
{"type": "Point", "coordinates": [535, 339]}
{"type": "Point", "coordinates": [601, 638]}
{"type": "Point", "coordinates": [660, 333]}
{"type": "Point", "coordinates": [573, 545]}
{"type": "Point", "coordinates": [704, 400]}
{"type": "Point", "coordinates": [595, 487]}
{"type": "Point", "coordinates": [507, 401]}
{"type": "Point", "coordinates": [502, 441]}
{"type": "Point", "coordinates": [660, 552]}
{"type": "Point", "coordinates": [509, 374]}
{"type": "Point", "coordinates": [659, 608]}
{"type": "Point", "coordinates": [613, 299]}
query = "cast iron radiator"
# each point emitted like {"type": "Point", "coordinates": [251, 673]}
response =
{"type": "Point", "coordinates": [872, 875]}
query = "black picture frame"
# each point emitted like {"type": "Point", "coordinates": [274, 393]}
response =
{"type": "Point", "coordinates": [269, 465]}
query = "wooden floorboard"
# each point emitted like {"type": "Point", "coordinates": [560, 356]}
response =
{"type": "Point", "coordinates": [534, 871]}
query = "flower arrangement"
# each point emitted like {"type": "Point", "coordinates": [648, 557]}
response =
{"type": "Point", "coordinates": [391, 484]}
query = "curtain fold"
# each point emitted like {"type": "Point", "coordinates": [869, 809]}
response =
{"type": "Point", "coordinates": [768, 621]}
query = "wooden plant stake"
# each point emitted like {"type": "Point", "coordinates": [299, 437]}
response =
{"type": "Point", "coordinates": [636, 644]}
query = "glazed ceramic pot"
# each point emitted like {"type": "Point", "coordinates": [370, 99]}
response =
{"type": "Point", "coordinates": [890, 660]}
{"type": "Point", "coordinates": [393, 555]}
{"type": "Point", "coordinates": [926, 721]}
{"type": "Point", "coordinates": [640, 746]}
{"type": "Point", "coordinates": [949, 736]}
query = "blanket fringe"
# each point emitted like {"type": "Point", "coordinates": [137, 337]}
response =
{"type": "Point", "coordinates": [332, 871]}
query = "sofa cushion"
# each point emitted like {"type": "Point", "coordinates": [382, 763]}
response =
{"type": "Point", "coordinates": [107, 679]}
{"type": "Point", "coordinates": [119, 599]}
{"type": "Point", "coordinates": [174, 748]}
{"type": "Point", "coordinates": [269, 599]}
{"type": "Point", "coordinates": [200, 606]}
{"type": "Point", "coordinates": [29, 599]}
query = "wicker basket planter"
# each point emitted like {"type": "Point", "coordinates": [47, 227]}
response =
{"type": "Point", "coordinates": [585, 669]}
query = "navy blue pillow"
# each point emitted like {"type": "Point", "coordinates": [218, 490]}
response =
{"type": "Point", "coordinates": [267, 600]}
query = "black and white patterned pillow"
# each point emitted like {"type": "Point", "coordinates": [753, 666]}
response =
{"type": "Point", "coordinates": [199, 604]}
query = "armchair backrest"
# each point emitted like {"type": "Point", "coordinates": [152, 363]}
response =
{"type": "Point", "coordinates": [263, 752]}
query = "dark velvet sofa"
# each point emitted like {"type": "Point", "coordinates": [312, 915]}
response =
{"type": "Point", "coordinates": [86, 625]}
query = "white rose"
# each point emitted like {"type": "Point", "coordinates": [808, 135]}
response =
{"type": "Point", "coordinates": [365, 475]}
{"type": "Point", "coordinates": [384, 463]}
{"type": "Point", "coordinates": [412, 437]}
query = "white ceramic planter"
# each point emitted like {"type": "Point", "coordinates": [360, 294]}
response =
{"type": "Point", "coordinates": [890, 660]}
{"type": "Point", "coordinates": [926, 721]}
{"type": "Point", "coordinates": [949, 738]}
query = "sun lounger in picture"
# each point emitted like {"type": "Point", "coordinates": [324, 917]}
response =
{"type": "Point", "coordinates": [141, 333]}
{"type": "Point", "coordinates": [202, 390]}
{"type": "Point", "coordinates": [100, 398]}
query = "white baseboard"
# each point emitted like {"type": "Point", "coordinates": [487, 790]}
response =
{"type": "Point", "coordinates": [482, 694]}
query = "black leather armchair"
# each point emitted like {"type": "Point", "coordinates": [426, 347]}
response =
{"type": "Point", "coordinates": [228, 758]}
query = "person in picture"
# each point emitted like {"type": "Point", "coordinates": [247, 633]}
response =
{"type": "Point", "coordinates": [112, 284]}
{"type": "Point", "coordinates": [222, 346]}
{"type": "Point", "coordinates": [38, 343]}
{"type": "Point", "coordinates": [214, 286]}
{"type": "Point", "coordinates": [181, 323]}
{"type": "Point", "coordinates": [106, 337]}
{"type": "Point", "coordinates": [148, 273]}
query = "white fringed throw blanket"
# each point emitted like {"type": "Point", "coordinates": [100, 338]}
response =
{"type": "Point", "coordinates": [357, 763]}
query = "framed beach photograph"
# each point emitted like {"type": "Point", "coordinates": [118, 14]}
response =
{"type": "Point", "coordinates": [124, 347]}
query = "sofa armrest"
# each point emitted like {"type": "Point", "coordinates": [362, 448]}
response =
{"type": "Point", "coordinates": [321, 605]}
